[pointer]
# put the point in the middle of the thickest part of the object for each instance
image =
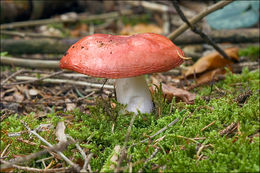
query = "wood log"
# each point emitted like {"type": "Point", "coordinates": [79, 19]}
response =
{"type": "Point", "coordinates": [60, 46]}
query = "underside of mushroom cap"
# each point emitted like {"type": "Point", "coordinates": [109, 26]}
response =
{"type": "Point", "coordinates": [117, 56]}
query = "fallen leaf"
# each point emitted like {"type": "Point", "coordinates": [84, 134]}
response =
{"type": "Point", "coordinates": [18, 96]}
{"type": "Point", "coordinates": [170, 91]}
{"type": "Point", "coordinates": [212, 61]}
{"type": "Point", "coordinates": [141, 28]}
{"type": "Point", "coordinates": [70, 106]}
{"type": "Point", "coordinates": [33, 92]}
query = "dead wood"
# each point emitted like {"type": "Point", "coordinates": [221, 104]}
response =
{"type": "Point", "coordinates": [45, 46]}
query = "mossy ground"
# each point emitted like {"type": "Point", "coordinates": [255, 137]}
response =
{"type": "Point", "coordinates": [178, 146]}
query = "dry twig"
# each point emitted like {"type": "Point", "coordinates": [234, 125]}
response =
{"type": "Point", "coordinates": [66, 81]}
{"type": "Point", "coordinates": [197, 18]}
{"type": "Point", "coordinates": [83, 17]}
{"type": "Point", "coordinates": [123, 149]}
{"type": "Point", "coordinates": [147, 160]}
{"type": "Point", "coordinates": [162, 130]}
{"type": "Point", "coordinates": [202, 35]}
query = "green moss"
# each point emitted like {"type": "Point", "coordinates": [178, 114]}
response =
{"type": "Point", "coordinates": [252, 52]}
{"type": "Point", "coordinates": [104, 127]}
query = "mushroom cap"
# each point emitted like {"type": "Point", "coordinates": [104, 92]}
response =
{"type": "Point", "coordinates": [118, 56]}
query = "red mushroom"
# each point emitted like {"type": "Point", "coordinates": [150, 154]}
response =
{"type": "Point", "coordinates": [126, 59]}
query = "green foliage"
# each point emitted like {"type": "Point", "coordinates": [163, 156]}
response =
{"type": "Point", "coordinates": [104, 127]}
{"type": "Point", "coordinates": [251, 51]}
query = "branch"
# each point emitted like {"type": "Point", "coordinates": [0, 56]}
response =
{"type": "Point", "coordinates": [204, 36]}
{"type": "Point", "coordinates": [197, 18]}
{"type": "Point", "coordinates": [22, 34]}
{"type": "Point", "coordinates": [73, 165]}
{"type": "Point", "coordinates": [35, 169]}
{"type": "Point", "coordinates": [36, 80]}
{"type": "Point", "coordinates": [31, 63]}
{"type": "Point", "coordinates": [162, 130]}
{"type": "Point", "coordinates": [63, 20]}
{"type": "Point", "coordinates": [64, 81]}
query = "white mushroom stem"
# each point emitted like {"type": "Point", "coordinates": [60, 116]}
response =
{"type": "Point", "coordinates": [134, 93]}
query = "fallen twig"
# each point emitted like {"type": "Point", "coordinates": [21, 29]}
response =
{"type": "Point", "coordinates": [36, 80]}
{"type": "Point", "coordinates": [227, 130]}
{"type": "Point", "coordinates": [202, 35]}
{"type": "Point", "coordinates": [65, 81]}
{"type": "Point", "coordinates": [73, 165]}
{"type": "Point", "coordinates": [210, 124]}
{"type": "Point", "coordinates": [123, 149]}
{"type": "Point", "coordinates": [197, 18]}
{"type": "Point", "coordinates": [12, 75]}
{"type": "Point", "coordinates": [31, 63]}
{"type": "Point", "coordinates": [86, 159]}
{"type": "Point", "coordinates": [161, 130]}
{"type": "Point", "coordinates": [35, 169]}
{"type": "Point", "coordinates": [21, 34]}
{"type": "Point", "coordinates": [147, 160]}
{"type": "Point", "coordinates": [6, 148]}
{"type": "Point", "coordinates": [83, 17]}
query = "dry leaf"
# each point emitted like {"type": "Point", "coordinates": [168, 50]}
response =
{"type": "Point", "coordinates": [33, 92]}
{"type": "Point", "coordinates": [18, 96]}
{"type": "Point", "coordinates": [171, 91]}
{"type": "Point", "coordinates": [70, 106]}
{"type": "Point", "coordinates": [141, 28]}
{"type": "Point", "coordinates": [212, 61]}
{"type": "Point", "coordinates": [211, 75]}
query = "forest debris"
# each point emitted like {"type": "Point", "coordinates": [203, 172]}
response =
{"type": "Point", "coordinates": [171, 91]}
{"type": "Point", "coordinates": [80, 17]}
{"type": "Point", "coordinates": [59, 81]}
{"type": "Point", "coordinates": [31, 63]}
{"type": "Point", "coordinates": [45, 46]}
{"type": "Point", "coordinates": [69, 106]}
{"type": "Point", "coordinates": [212, 61]}
{"type": "Point", "coordinates": [228, 129]}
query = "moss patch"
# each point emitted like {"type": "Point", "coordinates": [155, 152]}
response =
{"type": "Point", "coordinates": [183, 147]}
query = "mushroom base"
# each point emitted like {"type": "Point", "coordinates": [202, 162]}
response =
{"type": "Point", "coordinates": [134, 93]}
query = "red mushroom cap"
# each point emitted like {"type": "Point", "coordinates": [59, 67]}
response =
{"type": "Point", "coordinates": [117, 56]}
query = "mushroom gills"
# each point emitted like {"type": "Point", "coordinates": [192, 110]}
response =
{"type": "Point", "coordinates": [134, 93]}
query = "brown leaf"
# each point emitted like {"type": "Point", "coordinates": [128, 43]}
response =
{"type": "Point", "coordinates": [141, 28]}
{"type": "Point", "coordinates": [171, 91]}
{"type": "Point", "coordinates": [212, 61]}
{"type": "Point", "coordinates": [18, 96]}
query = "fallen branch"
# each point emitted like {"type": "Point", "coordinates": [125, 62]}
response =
{"type": "Point", "coordinates": [83, 17]}
{"type": "Point", "coordinates": [161, 130]}
{"type": "Point", "coordinates": [22, 34]}
{"type": "Point", "coordinates": [46, 46]}
{"type": "Point", "coordinates": [73, 165]}
{"type": "Point", "coordinates": [200, 33]}
{"type": "Point", "coordinates": [65, 81]}
{"type": "Point", "coordinates": [147, 160]}
{"type": "Point", "coordinates": [36, 169]}
{"type": "Point", "coordinates": [51, 64]}
{"type": "Point", "coordinates": [197, 18]}
{"type": "Point", "coordinates": [12, 75]}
